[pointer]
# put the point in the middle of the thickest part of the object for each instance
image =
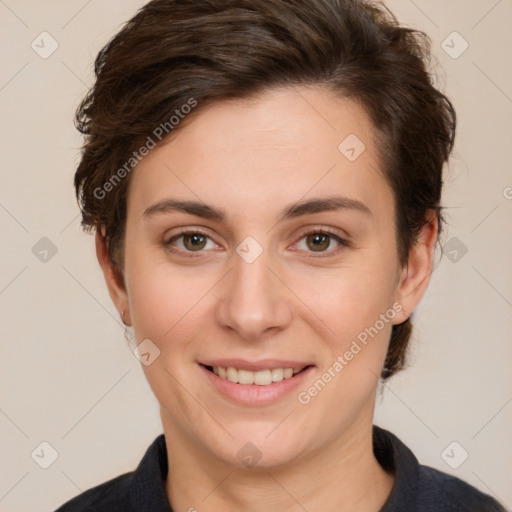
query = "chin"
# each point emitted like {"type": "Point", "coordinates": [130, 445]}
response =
{"type": "Point", "coordinates": [259, 446]}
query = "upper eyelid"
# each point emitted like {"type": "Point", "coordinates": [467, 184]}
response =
{"type": "Point", "coordinates": [190, 232]}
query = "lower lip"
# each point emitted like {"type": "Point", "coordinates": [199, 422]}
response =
{"type": "Point", "coordinates": [252, 394]}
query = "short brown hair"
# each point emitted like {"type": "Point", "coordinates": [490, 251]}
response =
{"type": "Point", "coordinates": [211, 50]}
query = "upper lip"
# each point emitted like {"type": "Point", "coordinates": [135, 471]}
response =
{"type": "Point", "coordinates": [253, 366]}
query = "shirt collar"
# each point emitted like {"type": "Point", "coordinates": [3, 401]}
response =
{"type": "Point", "coordinates": [148, 494]}
{"type": "Point", "coordinates": [396, 458]}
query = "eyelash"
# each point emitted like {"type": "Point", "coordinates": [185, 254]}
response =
{"type": "Point", "coordinates": [190, 254]}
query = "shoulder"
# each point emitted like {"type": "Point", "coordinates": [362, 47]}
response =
{"type": "Point", "coordinates": [421, 488]}
{"type": "Point", "coordinates": [142, 488]}
{"type": "Point", "coordinates": [108, 496]}
{"type": "Point", "coordinates": [442, 492]}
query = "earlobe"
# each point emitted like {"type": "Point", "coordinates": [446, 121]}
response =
{"type": "Point", "coordinates": [415, 275]}
{"type": "Point", "coordinates": [116, 288]}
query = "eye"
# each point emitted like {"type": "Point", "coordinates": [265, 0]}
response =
{"type": "Point", "coordinates": [189, 242]}
{"type": "Point", "coordinates": [320, 240]}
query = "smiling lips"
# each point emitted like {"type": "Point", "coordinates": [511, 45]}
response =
{"type": "Point", "coordinates": [257, 384]}
{"type": "Point", "coordinates": [260, 374]}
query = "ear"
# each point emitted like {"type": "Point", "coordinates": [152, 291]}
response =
{"type": "Point", "coordinates": [116, 287]}
{"type": "Point", "coordinates": [415, 275]}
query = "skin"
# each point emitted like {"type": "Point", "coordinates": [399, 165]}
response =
{"type": "Point", "coordinates": [252, 158]}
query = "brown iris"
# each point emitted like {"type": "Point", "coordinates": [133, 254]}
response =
{"type": "Point", "coordinates": [194, 242]}
{"type": "Point", "coordinates": [320, 241]}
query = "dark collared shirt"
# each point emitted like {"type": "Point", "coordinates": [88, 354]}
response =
{"type": "Point", "coordinates": [417, 488]}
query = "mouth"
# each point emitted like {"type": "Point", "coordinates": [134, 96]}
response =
{"type": "Point", "coordinates": [256, 384]}
{"type": "Point", "coordinates": [263, 377]}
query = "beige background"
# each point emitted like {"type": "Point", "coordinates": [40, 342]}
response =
{"type": "Point", "coordinates": [68, 377]}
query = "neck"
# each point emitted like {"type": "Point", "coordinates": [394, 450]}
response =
{"type": "Point", "coordinates": [344, 475]}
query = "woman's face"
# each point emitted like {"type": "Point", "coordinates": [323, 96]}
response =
{"type": "Point", "coordinates": [289, 261]}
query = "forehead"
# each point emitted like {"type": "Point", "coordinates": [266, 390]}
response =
{"type": "Point", "coordinates": [289, 119]}
{"type": "Point", "coordinates": [264, 151]}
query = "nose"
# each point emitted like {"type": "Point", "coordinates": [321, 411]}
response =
{"type": "Point", "coordinates": [254, 301]}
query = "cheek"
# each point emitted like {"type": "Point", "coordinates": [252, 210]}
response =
{"type": "Point", "coordinates": [357, 307]}
{"type": "Point", "coordinates": [167, 309]}
{"type": "Point", "coordinates": [349, 299]}
{"type": "Point", "coordinates": [163, 297]}
{"type": "Point", "coordinates": [173, 306]}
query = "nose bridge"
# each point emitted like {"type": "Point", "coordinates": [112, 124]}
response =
{"type": "Point", "coordinates": [253, 301]}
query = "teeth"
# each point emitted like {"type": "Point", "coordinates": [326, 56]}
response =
{"type": "Point", "coordinates": [277, 374]}
{"type": "Point", "coordinates": [260, 378]}
{"type": "Point", "coordinates": [245, 377]}
{"type": "Point", "coordinates": [263, 377]}
{"type": "Point", "coordinates": [232, 374]}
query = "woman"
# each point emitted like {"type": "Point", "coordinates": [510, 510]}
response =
{"type": "Point", "coordinates": [264, 181]}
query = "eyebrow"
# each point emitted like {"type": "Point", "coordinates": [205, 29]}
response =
{"type": "Point", "coordinates": [292, 211]}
